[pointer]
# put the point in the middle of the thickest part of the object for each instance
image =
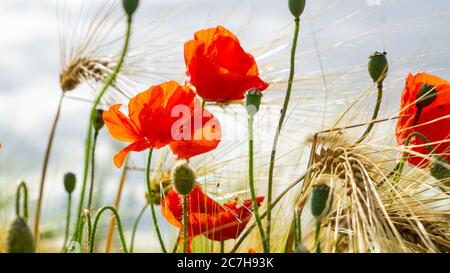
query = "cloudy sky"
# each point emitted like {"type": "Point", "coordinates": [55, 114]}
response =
{"type": "Point", "coordinates": [415, 33]}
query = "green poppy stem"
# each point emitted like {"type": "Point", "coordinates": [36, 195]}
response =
{"type": "Point", "coordinates": [252, 184]}
{"type": "Point", "coordinates": [91, 190]}
{"type": "Point", "coordinates": [135, 226]}
{"type": "Point", "coordinates": [271, 206]}
{"type": "Point", "coordinates": [152, 205]}
{"type": "Point", "coordinates": [375, 113]}
{"type": "Point", "coordinates": [297, 228]}
{"type": "Point", "coordinates": [119, 228]}
{"type": "Point", "coordinates": [280, 125]}
{"type": "Point", "coordinates": [317, 237]}
{"type": "Point", "coordinates": [66, 234]}
{"type": "Point", "coordinates": [185, 224]}
{"type": "Point", "coordinates": [37, 215]}
{"type": "Point", "coordinates": [88, 144]}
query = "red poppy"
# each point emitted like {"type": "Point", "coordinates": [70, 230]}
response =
{"type": "Point", "coordinates": [433, 120]}
{"type": "Point", "coordinates": [206, 216]}
{"type": "Point", "coordinates": [219, 68]}
{"type": "Point", "coordinates": [154, 121]}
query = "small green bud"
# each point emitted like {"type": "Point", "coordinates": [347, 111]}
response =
{"type": "Point", "coordinates": [130, 6]}
{"type": "Point", "coordinates": [426, 95]}
{"type": "Point", "coordinates": [297, 7]}
{"type": "Point", "coordinates": [20, 239]}
{"type": "Point", "coordinates": [378, 66]}
{"type": "Point", "coordinates": [70, 181]}
{"type": "Point", "coordinates": [438, 169]}
{"type": "Point", "coordinates": [320, 201]}
{"type": "Point", "coordinates": [183, 178]}
{"type": "Point", "coordinates": [253, 101]}
{"type": "Point", "coordinates": [98, 120]}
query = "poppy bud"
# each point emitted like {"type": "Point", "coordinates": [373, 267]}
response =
{"type": "Point", "coordinates": [130, 6]}
{"type": "Point", "coordinates": [20, 239]}
{"type": "Point", "coordinates": [70, 181]}
{"type": "Point", "coordinates": [253, 101]}
{"type": "Point", "coordinates": [98, 120]}
{"type": "Point", "coordinates": [183, 178]}
{"type": "Point", "coordinates": [297, 7]}
{"type": "Point", "coordinates": [378, 66]}
{"type": "Point", "coordinates": [320, 201]}
{"type": "Point", "coordinates": [426, 95]}
{"type": "Point", "coordinates": [437, 169]}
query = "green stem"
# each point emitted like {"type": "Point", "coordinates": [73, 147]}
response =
{"type": "Point", "coordinates": [185, 224]}
{"type": "Point", "coordinates": [317, 237]}
{"type": "Point", "coordinates": [119, 228]}
{"type": "Point", "coordinates": [175, 246]}
{"type": "Point", "coordinates": [88, 143]}
{"type": "Point", "coordinates": [275, 202]}
{"type": "Point", "coordinates": [222, 246]}
{"type": "Point", "coordinates": [375, 113]}
{"type": "Point", "coordinates": [280, 125]}
{"type": "Point", "coordinates": [252, 184]}
{"type": "Point", "coordinates": [152, 205]}
{"type": "Point", "coordinates": [91, 190]}
{"type": "Point", "coordinates": [401, 165]}
{"type": "Point", "coordinates": [69, 208]}
{"type": "Point", "coordinates": [37, 216]}
{"type": "Point", "coordinates": [298, 228]}
{"type": "Point", "coordinates": [135, 226]}
{"type": "Point", "coordinates": [22, 187]}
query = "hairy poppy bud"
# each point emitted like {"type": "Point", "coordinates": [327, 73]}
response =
{"type": "Point", "coordinates": [297, 7]}
{"type": "Point", "coordinates": [320, 201]}
{"type": "Point", "coordinates": [20, 239]}
{"type": "Point", "coordinates": [130, 6]}
{"type": "Point", "coordinates": [70, 181]}
{"type": "Point", "coordinates": [98, 120]}
{"type": "Point", "coordinates": [426, 95]}
{"type": "Point", "coordinates": [183, 178]}
{"type": "Point", "coordinates": [378, 66]}
{"type": "Point", "coordinates": [437, 168]}
{"type": "Point", "coordinates": [253, 101]}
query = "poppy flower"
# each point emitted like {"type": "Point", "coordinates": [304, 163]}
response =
{"type": "Point", "coordinates": [206, 216]}
{"type": "Point", "coordinates": [154, 121]}
{"type": "Point", "coordinates": [432, 119]}
{"type": "Point", "coordinates": [219, 68]}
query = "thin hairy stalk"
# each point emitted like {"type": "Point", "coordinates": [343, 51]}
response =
{"type": "Point", "coordinates": [275, 202]}
{"type": "Point", "coordinates": [401, 165]}
{"type": "Point", "coordinates": [88, 144]}
{"type": "Point", "coordinates": [317, 237]}
{"type": "Point", "coordinates": [22, 188]}
{"type": "Point", "coordinates": [375, 113]}
{"type": "Point", "coordinates": [91, 190]}
{"type": "Point", "coordinates": [175, 246]}
{"type": "Point", "coordinates": [252, 185]}
{"type": "Point", "coordinates": [119, 228]}
{"type": "Point", "coordinates": [66, 233]}
{"type": "Point", "coordinates": [280, 125]}
{"type": "Point", "coordinates": [112, 221]}
{"type": "Point", "coordinates": [298, 228]}
{"type": "Point", "coordinates": [185, 224]}
{"type": "Point", "coordinates": [150, 201]}
{"type": "Point", "coordinates": [37, 215]}
{"type": "Point", "coordinates": [135, 226]}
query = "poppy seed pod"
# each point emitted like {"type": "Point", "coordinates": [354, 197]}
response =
{"type": "Point", "coordinates": [297, 7]}
{"type": "Point", "coordinates": [253, 101]}
{"type": "Point", "coordinates": [437, 168]}
{"type": "Point", "coordinates": [378, 66]}
{"type": "Point", "coordinates": [320, 201]}
{"type": "Point", "coordinates": [426, 95]}
{"type": "Point", "coordinates": [98, 120]}
{"type": "Point", "coordinates": [183, 178]}
{"type": "Point", "coordinates": [70, 181]}
{"type": "Point", "coordinates": [20, 239]}
{"type": "Point", "coordinates": [130, 6]}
